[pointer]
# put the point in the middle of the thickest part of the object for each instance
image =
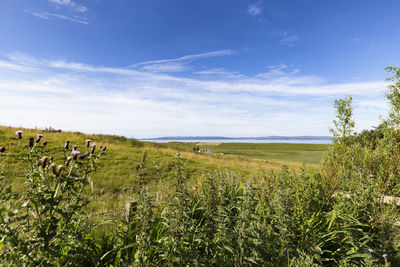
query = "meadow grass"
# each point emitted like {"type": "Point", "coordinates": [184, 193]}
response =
{"type": "Point", "coordinates": [288, 152]}
{"type": "Point", "coordinates": [284, 153]}
{"type": "Point", "coordinates": [118, 180]}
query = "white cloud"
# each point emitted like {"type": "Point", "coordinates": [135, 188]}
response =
{"type": "Point", "coordinates": [71, 4]}
{"type": "Point", "coordinates": [165, 67]}
{"type": "Point", "coordinates": [64, 10]}
{"type": "Point", "coordinates": [63, 2]}
{"type": "Point", "coordinates": [286, 39]}
{"type": "Point", "coordinates": [76, 96]}
{"type": "Point", "coordinates": [220, 72]}
{"type": "Point", "coordinates": [254, 9]}
{"type": "Point", "coordinates": [47, 15]}
{"type": "Point", "coordinates": [290, 40]}
{"type": "Point", "coordinates": [81, 9]}
{"type": "Point", "coordinates": [177, 64]}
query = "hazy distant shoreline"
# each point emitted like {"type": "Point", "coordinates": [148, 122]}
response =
{"type": "Point", "coordinates": [239, 138]}
{"type": "Point", "coordinates": [223, 139]}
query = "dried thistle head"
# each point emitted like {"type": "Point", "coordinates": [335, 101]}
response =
{"type": "Point", "coordinates": [59, 169]}
{"type": "Point", "coordinates": [44, 143]}
{"type": "Point", "coordinates": [68, 161]}
{"type": "Point", "coordinates": [2, 149]}
{"type": "Point", "coordinates": [53, 168]}
{"type": "Point", "coordinates": [104, 148]}
{"type": "Point", "coordinates": [44, 161]}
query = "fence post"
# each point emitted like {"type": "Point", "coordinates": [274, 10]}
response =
{"type": "Point", "coordinates": [130, 208]}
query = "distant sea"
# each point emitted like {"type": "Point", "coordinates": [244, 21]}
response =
{"type": "Point", "coordinates": [293, 140]}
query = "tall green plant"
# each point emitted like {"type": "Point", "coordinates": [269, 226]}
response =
{"type": "Point", "coordinates": [344, 123]}
{"type": "Point", "coordinates": [394, 96]}
{"type": "Point", "coordinates": [45, 225]}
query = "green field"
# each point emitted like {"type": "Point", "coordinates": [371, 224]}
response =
{"type": "Point", "coordinates": [117, 179]}
{"type": "Point", "coordinates": [276, 152]}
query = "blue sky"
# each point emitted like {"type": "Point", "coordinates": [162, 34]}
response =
{"type": "Point", "coordinates": [161, 68]}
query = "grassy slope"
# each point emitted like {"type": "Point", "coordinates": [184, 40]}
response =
{"type": "Point", "coordinates": [116, 180]}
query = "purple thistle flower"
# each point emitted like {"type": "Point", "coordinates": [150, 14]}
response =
{"type": "Point", "coordinates": [385, 256]}
{"type": "Point", "coordinates": [19, 134]}
{"type": "Point", "coordinates": [93, 148]}
{"type": "Point", "coordinates": [2, 149]}
{"type": "Point", "coordinates": [370, 251]}
{"type": "Point", "coordinates": [74, 147]}
{"type": "Point", "coordinates": [38, 137]}
{"type": "Point", "coordinates": [66, 146]}
{"type": "Point", "coordinates": [75, 154]}
{"type": "Point", "coordinates": [88, 142]}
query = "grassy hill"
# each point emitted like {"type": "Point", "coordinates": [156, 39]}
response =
{"type": "Point", "coordinates": [117, 178]}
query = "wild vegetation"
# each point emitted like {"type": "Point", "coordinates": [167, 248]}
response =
{"type": "Point", "coordinates": [334, 215]}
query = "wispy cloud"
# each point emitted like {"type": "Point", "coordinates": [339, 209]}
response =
{"type": "Point", "coordinates": [69, 3]}
{"type": "Point", "coordinates": [63, 10]}
{"type": "Point", "coordinates": [178, 64]}
{"type": "Point", "coordinates": [63, 2]}
{"type": "Point", "coordinates": [287, 39]}
{"type": "Point", "coordinates": [220, 72]}
{"type": "Point", "coordinates": [144, 104]}
{"type": "Point", "coordinates": [47, 15]}
{"type": "Point", "coordinates": [254, 9]}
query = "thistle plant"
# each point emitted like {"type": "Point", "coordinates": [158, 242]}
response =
{"type": "Point", "coordinates": [45, 226]}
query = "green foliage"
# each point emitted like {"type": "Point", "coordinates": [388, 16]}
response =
{"type": "Point", "coordinates": [44, 226]}
{"type": "Point", "coordinates": [394, 96]}
{"type": "Point", "coordinates": [344, 123]}
{"type": "Point", "coordinates": [371, 137]}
